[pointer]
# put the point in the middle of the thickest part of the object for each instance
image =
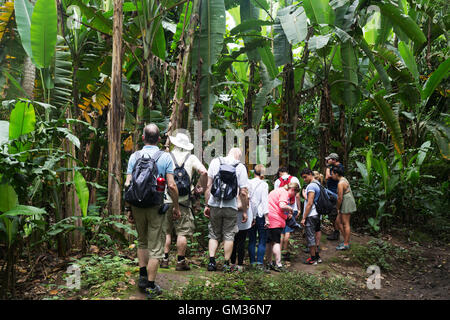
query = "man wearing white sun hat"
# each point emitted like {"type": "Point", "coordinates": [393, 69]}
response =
{"type": "Point", "coordinates": [184, 163]}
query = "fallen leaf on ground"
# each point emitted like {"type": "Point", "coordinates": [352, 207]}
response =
{"type": "Point", "coordinates": [53, 292]}
{"type": "Point", "coordinates": [128, 273]}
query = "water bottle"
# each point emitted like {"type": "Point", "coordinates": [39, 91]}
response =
{"type": "Point", "coordinates": [160, 183]}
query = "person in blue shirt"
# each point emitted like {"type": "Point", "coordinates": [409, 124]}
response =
{"type": "Point", "coordinates": [332, 185]}
{"type": "Point", "coordinates": [149, 221]}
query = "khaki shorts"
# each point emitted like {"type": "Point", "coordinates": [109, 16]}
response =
{"type": "Point", "coordinates": [149, 226]}
{"type": "Point", "coordinates": [184, 226]}
{"type": "Point", "coordinates": [223, 224]}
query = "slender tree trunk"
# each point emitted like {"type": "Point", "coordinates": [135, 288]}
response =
{"type": "Point", "coordinates": [325, 110]}
{"type": "Point", "coordinates": [29, 75]}
{"type": "Point", "coordinates": [248, 108]}
{"type": "Point", "coordinates": [114, 116]}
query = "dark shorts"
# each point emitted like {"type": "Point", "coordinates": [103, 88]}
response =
{"type": "Point", "coordinates": [312, 225]}
{"type": "Point", "coordinates": [274, 235]}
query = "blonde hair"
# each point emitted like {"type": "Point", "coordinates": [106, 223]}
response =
{"type": "Point", "coordinates": [260, 170]}
{"type": "Point", "coordinates": [292, 185]}
{"type": "Point", "coordinates": [318, 176]}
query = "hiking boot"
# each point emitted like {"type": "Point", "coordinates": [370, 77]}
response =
{"type": "Point", "coordinates": [164, 264]}
{"type": "Point", "coordinates": [334, 235]}
{"type": "Point", "coordinates": [311, 261]}
{"type": "Point", "coordinates": [153, 292]}
{"type": "Point", "coordinates": [142, 283]}
{"type": "Point", "coordinates": [182, 266]}
{"type": "Point", "coordinates": [212, 266]}
{"type": "Point", "coordinates": [342, 246]}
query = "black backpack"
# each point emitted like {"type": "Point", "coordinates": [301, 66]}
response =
{"type": "Point", "coordinates": [324, 204]}
{"type": "Point", "coordinates": [142, 192]}
{"type": "Point", "coordinates": [181, 177]}
{"type": "Point", "coordinates": [225, 184]}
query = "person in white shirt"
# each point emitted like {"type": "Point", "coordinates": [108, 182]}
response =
{"type": "Point", "coordinates": [184, 226]}
{"type": "Point", "coordinates": [259, 205]}
{"type": "Point", "coordinates": [222, 213]}
{"type": "Point", "coordinates": [284, 179]}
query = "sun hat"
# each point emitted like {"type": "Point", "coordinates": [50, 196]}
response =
{"type": "Point", "coordinates": [332, 156]}
{"type": "Point", "coordinates": [182, 141]}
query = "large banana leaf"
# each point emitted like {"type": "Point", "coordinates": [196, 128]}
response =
{"type": "Point", "coordinates": [349, 62]}
{"type": "Point", "coordinates": [269, 61]}
{"type": "Point", "coordinates": [207, 48]}
{"type": "Point", "coordinates": [319, 11]}
{"type": "Point", "coordinates": [24, 11]}
{"type": "Point", "coordinates": [436, 78]}
{"type": "Point", "coordinates": [249, 12]}
{"type": "Point", "coordinates": [282, 50]}
{"type": "Point", "coordinates": [95, 17]}
{"type": "Point", "coordinates": [82, 192]}
{"type": "Point", "coordinates": [22, 121]}
{"type": "Point", "coordinates": [409, 60]}
{"type": "Point", "coordinates": [403, 21]}
{"type": "Point", "coordinates": [43, 31]}
{"type": "Point", "coordinates": [391, 120]}
{"type": "Point", "coordinates": [293, 22]}
{"type": "Point", "coordinates": [8, 197]}
{"type": "Point", "coordinates": [378, 66]}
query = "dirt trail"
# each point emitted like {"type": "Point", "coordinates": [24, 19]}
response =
{"type": "Point", "coordinates": [427, 280]}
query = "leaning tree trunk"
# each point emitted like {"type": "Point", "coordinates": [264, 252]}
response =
{"type": "Point", "coordinates": [324, 119]}
{"type": "Point", "coordinates": [114, 116]}
{"type": "Point", "coordinates": [248, 108]}
{"type": "Point", "coordinates": [182, 84]}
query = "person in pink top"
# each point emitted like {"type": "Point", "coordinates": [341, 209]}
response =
{"type": "Point", "coordinates": [279, 211]}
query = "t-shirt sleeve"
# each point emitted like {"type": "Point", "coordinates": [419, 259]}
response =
{"type": "Point", "coordinates": [284, 197]}
{"type": "Point", "coordinates": [242, 176]}
{"type": "Point", "coordinates": [168, 163]}
{"type": "Point", "coordinates": [212, 169]}
{"type": "Point", "coordinates": [131, 163]}
{"type": "Point", "coordinates": [196, 164]}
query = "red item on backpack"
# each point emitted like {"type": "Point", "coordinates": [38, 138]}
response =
{"type": "Point", "coordinates": [285, 182]}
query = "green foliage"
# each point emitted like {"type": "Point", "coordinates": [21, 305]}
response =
{"type": "Point", "coordinates": [378, 252]}
{"type": "Point", "coordinates": [260, 286]}
{"type": "Point", "coordinates": [43, 31]}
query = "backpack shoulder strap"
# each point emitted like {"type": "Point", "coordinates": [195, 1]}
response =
{"type": "Point", "coordinates": [174, 160]}
{"type": "Point", "coordinates": [157, 155]}
{"type": "Point", "coordinates": [185, 159]}
{"type": "Point", "coordinates": [289, 179]}
{"type": "Point", "coordinates": [236, 164]}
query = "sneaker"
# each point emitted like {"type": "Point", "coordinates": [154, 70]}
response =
{"type": "Point", "coordinates": [319, 260]}
{"type": "Point", "coordinates": [334, 235]}
{"type": "Point", "coordinates": [311, 261]}
{"type": "Point", "coordinates": [142, 283]}
{"type": "Point", "coordinates": [153, 292]}
{"type": "Point", "coordinates": [343, 247]}
{"type": "Point", "coordinates": [182, 266]}
{"type": "Point", "coordinates": [239, 268]}
{"type": "Point", "coordinates": [279, 268]}
{"type": "Point", "coordinates": [212, 266]}
{"type": "Point", "coordinates": [164, 264]}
